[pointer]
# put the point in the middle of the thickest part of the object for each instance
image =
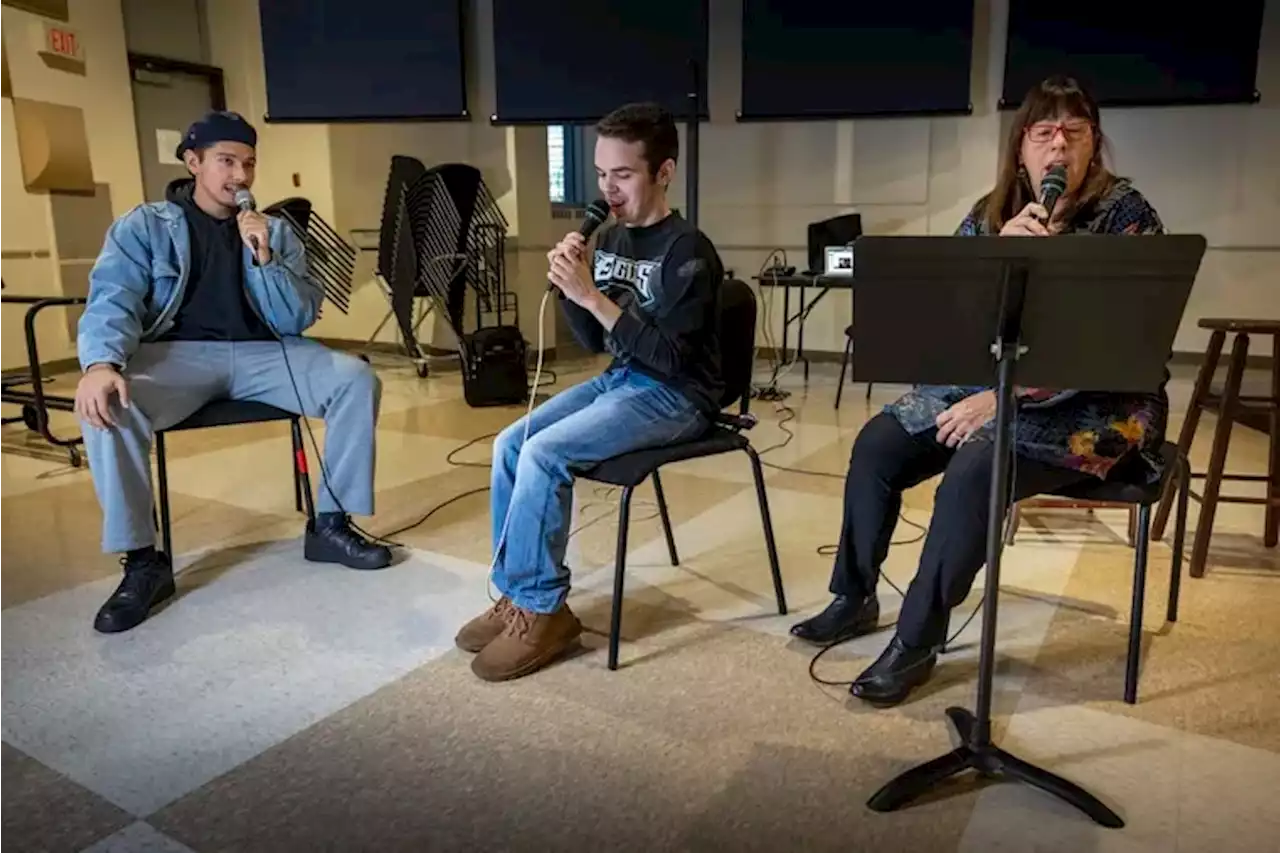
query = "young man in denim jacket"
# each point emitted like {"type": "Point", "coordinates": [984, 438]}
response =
{"type": "Point", "coordinates": [190, 301]}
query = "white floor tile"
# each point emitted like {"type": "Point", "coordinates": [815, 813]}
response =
{"type": "Point", "coordinates": [237, 663]}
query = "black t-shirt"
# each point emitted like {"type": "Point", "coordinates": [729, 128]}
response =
{"type": "Point", "coordinates": [666, 279]}
{"type": "Point", "coordinates": [215, 305]}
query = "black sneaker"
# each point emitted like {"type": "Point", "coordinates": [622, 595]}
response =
{"type": "Point", "coordinates": [335, 542]}
{"type": "Point", "coordinates": [148, 581]}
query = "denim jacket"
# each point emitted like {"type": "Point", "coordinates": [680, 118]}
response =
{"type": "Point", "coordinates": [136, 285]}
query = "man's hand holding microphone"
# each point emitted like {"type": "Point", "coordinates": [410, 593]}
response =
{"type": "Point", "coordinates": [253, 227]}
{"type": "Point", "coordinates": [568, 260]}
{"type": "Point", "coordinates": [568, 270]}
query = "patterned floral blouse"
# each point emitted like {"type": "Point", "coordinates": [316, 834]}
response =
{"type": "Point", "coordinates": [1084, 431]}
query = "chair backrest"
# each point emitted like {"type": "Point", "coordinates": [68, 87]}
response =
{"type": "Point", "coordinates": [294, 208]}
{"type": "Point", "coordinates": [394, 225]}
{"type": "Point", "coordinates": [331, 259]}
{"type": "Point", "coordinates": [397, 253]}
{"type": "Point", "coordinates": [737, 339]}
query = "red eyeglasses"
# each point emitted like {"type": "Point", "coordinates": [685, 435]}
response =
{"type": "Point", "coordinates": [1072, 131]}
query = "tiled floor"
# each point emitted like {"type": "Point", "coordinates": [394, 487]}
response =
{"type": "Point", "coordinates": [279, 706]}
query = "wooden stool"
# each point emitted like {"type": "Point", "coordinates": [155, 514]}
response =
{"type": "Point", "coordinates": [1230, 406]}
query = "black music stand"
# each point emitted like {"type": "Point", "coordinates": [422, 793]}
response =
{"type": "Point", "coordinates": [1089, 312]}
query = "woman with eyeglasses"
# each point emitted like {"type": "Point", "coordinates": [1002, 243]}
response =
{"type": "Point", "coordinates": [1060, 437]}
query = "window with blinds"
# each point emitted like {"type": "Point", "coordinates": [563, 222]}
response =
{"type": "Point", "coordinates": [556, 162]}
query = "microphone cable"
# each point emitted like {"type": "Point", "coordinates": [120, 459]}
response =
{"type": "Point", "coordinates": [245, 202]}
{"type": "Point", "coordinates": [537, 382]}
{"type": "Point", "coordinates": [387, 539]}
{"type": "Point", "coordinates": [502, 538]}
{"type": "Point", "coordinates": [947, 640]}
{"type": "Point", "coordinates": [301, 462]}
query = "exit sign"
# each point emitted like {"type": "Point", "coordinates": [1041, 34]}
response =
{"type": "Point", "coordinates": [62, 41]}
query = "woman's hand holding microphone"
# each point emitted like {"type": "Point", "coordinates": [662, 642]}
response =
{"type": "Point", "coordinates": [1028, 223]}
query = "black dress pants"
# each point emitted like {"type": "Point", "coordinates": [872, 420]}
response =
{"type": "Point", "coordinates": [887, 460]}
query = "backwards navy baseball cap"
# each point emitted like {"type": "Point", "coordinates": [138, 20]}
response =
{"type": "Point", "coordinates": [223, 126]}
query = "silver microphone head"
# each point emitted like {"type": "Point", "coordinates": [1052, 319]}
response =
{"type": "Point", "coordinates": [244, 199]}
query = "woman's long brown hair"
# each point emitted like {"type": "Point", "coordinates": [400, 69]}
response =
{"type": "Point", "coordinates": [1053, 97]}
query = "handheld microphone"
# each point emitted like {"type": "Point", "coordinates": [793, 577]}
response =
{"type": "Point", "coordinates": [597, 215]}
{"type": "Point", "coordinates": [244, 201]}
{"type": "Point", "coordinates": [1052, 186]}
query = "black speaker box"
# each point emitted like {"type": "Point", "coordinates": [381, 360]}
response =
{"type": "Point", "coordinates": [495, 369]}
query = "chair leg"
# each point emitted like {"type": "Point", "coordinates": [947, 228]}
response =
{"type": "Point", "coordinates": [1271, 528]}
{"type": "Point", "coordinates": [1133, 527]}
{"type": "Point", "coordinates": [301, 479]}
{"type": "Point", "coordinates": [844, 369]}
{"type": "Point", "coordinates": [166, 532]}
{"type": "Point", "coordinates": [1179, 536]}
{"type": "Point", "coordinates": [869, 384]}
{"type": "Point", "coordinates": [767, 521]}
{"type": "Point", "coordinates": [619, 571]}
{"type": "Point", "coordinates": [1015, 519]}
{"type": "Point", "coordinates": [666, 520]}
{"type": "Point", "coordinates": [293, 470]}
{"type": "Point", "coordinates": [1134, 658]}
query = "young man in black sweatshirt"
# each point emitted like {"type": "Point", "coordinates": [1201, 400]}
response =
{"type": "Point", "coordinates": [648, 296]}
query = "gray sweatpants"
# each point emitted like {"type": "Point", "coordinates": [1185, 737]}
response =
{"type": "Point", "coordinates": [168, 382]}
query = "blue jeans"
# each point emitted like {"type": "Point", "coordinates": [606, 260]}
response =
{"type": "Point", "coordinates": [617, 412]}
{"type": "Point", "coordinates": [168, 382]}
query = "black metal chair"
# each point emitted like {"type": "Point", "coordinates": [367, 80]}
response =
{"type": "Point", "coordinates": [844, 365]}
{"type": "Point", "coordinates": [1144, 497]}
{"type": "Point", "coordinates": [233, 413]}
{"type": "Point", "coordinates": [737, 346]}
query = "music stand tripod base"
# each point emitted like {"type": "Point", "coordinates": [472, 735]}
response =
{"type": "Point", "coordinates": [989, 761]}
{"type": "Point", "coordinates": [1015, 302]}
{"type": "Point", "coordinates": [976, 751]}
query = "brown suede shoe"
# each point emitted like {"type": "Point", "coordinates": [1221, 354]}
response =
{"type": "Point", "coordinates": [530, 642]}
{"type": "Point", "coordinates": [485, 628]}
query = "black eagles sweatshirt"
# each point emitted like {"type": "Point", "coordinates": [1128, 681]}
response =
{"type": "Point", "coordinates": [666, 279]}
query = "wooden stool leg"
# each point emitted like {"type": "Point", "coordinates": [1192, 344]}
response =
{"type": "Point", "coordinates": [1218, 457]}
{"type": "Point", "coordinates": [1188, 433]}
{"type": "Point", "coordinates": [1272, 534]}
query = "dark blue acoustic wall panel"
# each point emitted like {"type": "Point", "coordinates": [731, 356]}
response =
{"type": "Point", "coordinates": [572, 61]}
{"type": "Point", "coordinates": [1139, 53]}
{"type": "Point", "coordinates": [363, 60]}
{"type": "Point", "coordinates": [812, 60]}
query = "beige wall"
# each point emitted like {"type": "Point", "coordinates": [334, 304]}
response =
{"type": "Point", "coordinates": [174, 29]}
{"type": "Point", "coordinates": [103, 94]}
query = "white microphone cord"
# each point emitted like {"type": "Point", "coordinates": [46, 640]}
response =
{"type": "Point", "coordinates": [528, 418]}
